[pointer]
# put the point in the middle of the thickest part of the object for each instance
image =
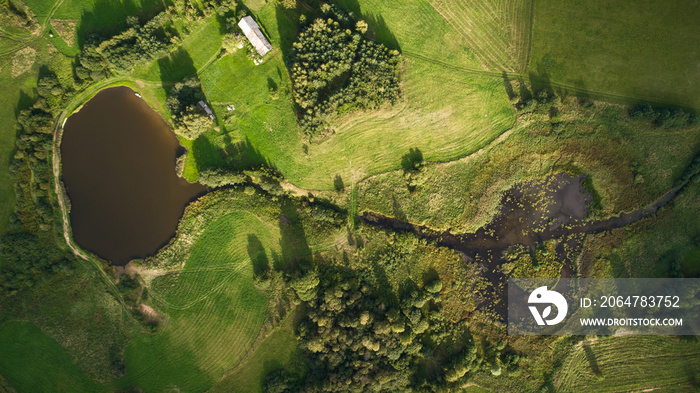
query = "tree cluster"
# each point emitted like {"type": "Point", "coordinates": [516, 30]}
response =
{"type": "Point", "coordinates": [335, 71]}
{"type": "Point", "coordinates": [31, 164]}
{"type": "Point", "coordinates": [355, 341]}
{"type": "Point", "coordinates": [24, 253]}
{"type": "Point", "coordinates": [120, 53]}
{"type": "Point", "coordinates": [218, 177]}
{"type": "Point", "coordinates": [27, 260]}
{"type": "Point", "coordinates": [137, 44]}
{"type": "Point", "coordinates": [358, 338]}
{"type": "Point", "coordinates": [189, 121]}
{"type": "Point", "coordinates": [670, 118]}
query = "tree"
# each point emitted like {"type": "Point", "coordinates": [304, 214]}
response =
{"type": "Point", "coordinates": [231, 42]}
{"type": "Point", "coordinates": [361, 26]}
{"type": "Point", "coordinates": [289, 4]}
{"type": "Point", "coordinates": [189, 120]}
{"type": "Point", "coordinates": [192, 122]}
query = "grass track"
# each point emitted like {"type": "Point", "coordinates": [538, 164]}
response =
{"type": "Point", "coordinates": [497, 31]}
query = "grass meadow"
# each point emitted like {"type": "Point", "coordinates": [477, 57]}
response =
{"type": "Point", "coordinates": [643, 52]}
{"type": "Point", "coordinates": [212, 316]}
{"type": "Point", "coordinates": [498, 31]}
{"type": "Point", "coordinates": [25, 349]}
{"type": "Point", "coordinates": [214, 310]}
{"type": "Point", "coordinates": [279, 349]}
{"type": "Point", "coordinates": [630, 164]}
{"type": "Point", "coordinates": [205, 287]}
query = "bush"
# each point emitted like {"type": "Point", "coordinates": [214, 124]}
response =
{"type": "Point", "coordinates": [218, 177]}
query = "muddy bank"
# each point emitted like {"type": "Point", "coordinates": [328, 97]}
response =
{"type": "Point", "coordinates": [529, 214]}
{"type": "Point", "coordinates": [118, 164]}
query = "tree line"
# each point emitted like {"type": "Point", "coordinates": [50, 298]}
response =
{"type": "Point", "coordinates": [28, 250]}
{"type": "Point", "coordinates": [670, 118]}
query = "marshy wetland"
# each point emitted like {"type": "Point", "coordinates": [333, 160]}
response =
{"type": "Point", "coordinates": [119, 170]}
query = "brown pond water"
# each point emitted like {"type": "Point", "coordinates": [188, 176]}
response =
{"type": "Point", "coordinates": [118, 159]}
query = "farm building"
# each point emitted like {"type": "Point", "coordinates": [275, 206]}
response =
{"type": "Point", "coordinates": [203, 106]}
{"type": "Point", "coordinates": [254, 35]}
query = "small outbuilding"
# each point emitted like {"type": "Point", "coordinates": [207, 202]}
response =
{"type": "Point", "coordinates": [254, 35]}
{"type": "Point", "coordinates": [203, 106]}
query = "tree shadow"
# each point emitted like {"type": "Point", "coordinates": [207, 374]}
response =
{"type": "Point", "coordinates": [242, 155]}
{"type": "Point", "coordinates": [206, 155]}
{"type": "Point", "coordinates": [508, 85]}
{"type": "Point", "coordinates": [430, 275]}
{"type": "Point", "coordinates": [296, 257]}
{"type": "Point", "coordinates": [378, 29]}
{"type": "Point", "coordinates": [271, 85]}
{"type": "Point", "coordinates": [382, 285]}
{"type": "Point", "coordinates": [406, 288]}
{"type": "Point", "coordinates": [592, 362]}
{"type": "Point", "coordinates": [396, 209]}
{"type": "Point", "coordinates": [412, 159]}
{"type": "Point", "coordinates": [23, 102]}
{"type": "Point", "coordinates": [176, 67]}
{"type": "Point", "coordinates": [258, 257]}
{"type": "Point", "coordinates": [338, 183]}
{"type": "Point", "coordinates": [288, 25]}
{"type": "Point", "coordinates": [108, 17]}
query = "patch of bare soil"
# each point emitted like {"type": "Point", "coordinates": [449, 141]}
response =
{"type": "Point", "coordinates": [66, 29]}
{"type": "Point", "coordinates": [23, 61]}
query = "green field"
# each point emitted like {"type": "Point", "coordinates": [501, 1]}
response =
{"type": "Point", "coordinates": [443, 123]}
{"type": "Point", "coordinates": [643, 52]}
{"type": "Point", "coordinates": [214, 311]}
{"type": "Point", "coordinates": [279, 349]}
{"type": "Point", "coordinates": [25, 349]}
{"type": "Point", "coordinates": [204, 317]}
{"type": "Point", "coordinates": [599, 141]}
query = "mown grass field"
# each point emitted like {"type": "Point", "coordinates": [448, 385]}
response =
{"type": "Point", "coordinates": [443, 122]}
{"type": "Point", "coordinates": [279, 349]}
{"type": "Point", "coordinates": [497, 31]}
{"type": "Point", "coordinates": [214, 310]}
{"type": "Point", "coordinates": [624, 364]}
{"type": "Point", "coordinates": [637, 52]}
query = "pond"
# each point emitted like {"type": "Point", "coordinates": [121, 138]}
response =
{"type": "Point", "coordinates": [118, 159]}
